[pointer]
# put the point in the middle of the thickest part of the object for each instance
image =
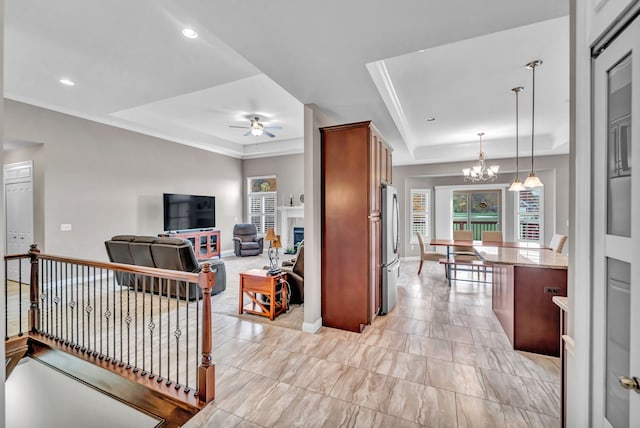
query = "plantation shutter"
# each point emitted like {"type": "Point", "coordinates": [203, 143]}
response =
{"type": "Point", "coordinates": [420, 211]}
{"type": "Point", "coordinates": [530, 215]}
{"type": "Point", "coordinates": [262, 210]}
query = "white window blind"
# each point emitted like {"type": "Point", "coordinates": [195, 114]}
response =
{"type": "Point", "coordinates": [261, 202]}
{"type": "Point", "coordinates": [420, 214]}
{"type": "Point", "coordinates": [530, 215]}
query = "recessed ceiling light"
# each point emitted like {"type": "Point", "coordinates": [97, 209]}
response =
{"type": "Point", "coordinates": [430, 119]}
{"type": "Point", "coordinates": [67, 82]}
{"type": "Point", "coordinates": [189, 33]}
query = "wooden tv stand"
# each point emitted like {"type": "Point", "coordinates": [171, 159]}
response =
{"type": "Point", "coordinates": [206, 242]}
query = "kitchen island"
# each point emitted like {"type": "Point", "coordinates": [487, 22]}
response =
{"type": "Point", "coordinates": [524, 283]}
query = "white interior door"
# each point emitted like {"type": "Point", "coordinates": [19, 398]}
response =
{"type": "Point", "coordinates": [18, 192]}
{"type": "Point", "coordinates": [616, 232]}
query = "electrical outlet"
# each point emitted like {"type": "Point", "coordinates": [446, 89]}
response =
{"type": "Point", "coordinates": [65, 227]}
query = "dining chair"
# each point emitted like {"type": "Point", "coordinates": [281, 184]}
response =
{"type": "Point", "coordinates": [462, 253]}
{"type": "Point", "coordinates": [426, 255]}
{"type": "Point", "coordinates": [557, 242]}
{"type": "Point", "coordinates": [463, 235]}
{"type": "Point", "coordinates": [492, 236]}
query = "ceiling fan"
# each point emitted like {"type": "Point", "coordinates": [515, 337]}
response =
{"type": "Point", "coordinates": [256, 128]}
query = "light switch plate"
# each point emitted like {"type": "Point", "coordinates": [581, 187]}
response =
{"type": "Point", "coordinates": [65, 227]}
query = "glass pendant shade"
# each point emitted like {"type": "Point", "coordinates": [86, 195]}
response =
{"type": "Point", "coordinates": [532, 181]}
{"type": "Point", "coordinates": [517, 186]}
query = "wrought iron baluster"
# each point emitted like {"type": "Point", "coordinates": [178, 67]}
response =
{"type": "Point", "coordinates": [121, 324]}
{"type": "Point", "coordinates": [42, 296]}
{"type": "Point", "coordinates": [160, 282]}
{"type": "Point", "coordinates": [56, 300]}
{"type": "Point", "coordinates": [144, 301]}
{"type": "Point", "coordinates": [65, 303]}
{"type": "Point", "coordinates": [128, 321]}
{"type": "Point", "coordinates": [177, 333]}
{"type": "Point", "coordinates": [114, 355]}
{"type": "Point", "coordinates": [135, 329]}
{"type": "Point", "coordinates": [101, 317]}
{"type": "Point", "coordinates": [77, 308]}
{"type": "Point", "coordinates": [186, 361]}
{"type": "Point", "coordinates": [198, 350]}
{"type": "Point", "coordinates": [95, 313]}
{"type": "Point", "coordinates": [151, 326]}
{"type": "Point", "coordinates": [20, 333]}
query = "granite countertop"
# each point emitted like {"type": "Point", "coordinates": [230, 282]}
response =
{"type": "Point", "coordinates": [523, 257]}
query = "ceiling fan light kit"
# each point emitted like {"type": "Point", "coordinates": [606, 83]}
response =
{"type": "Point", "coordinates": [256, 128]}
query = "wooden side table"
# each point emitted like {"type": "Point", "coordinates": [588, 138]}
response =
{"type": "Point", "coordinates": [256, 281]}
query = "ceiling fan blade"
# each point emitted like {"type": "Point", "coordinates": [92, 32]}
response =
{"type": "Point", "coordinates": [274, 128]}
{"type": "Point", "coordinates": [269, 134]}
{"type": "Point", "coordinates": [241, 127]}
{"type": "Point", "coordinates": [246, 133]}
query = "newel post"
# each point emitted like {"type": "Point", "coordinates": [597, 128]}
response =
{"type": "Point", "coordinates": [206, 370]}
{"type": "Point", "coordinates": [34, 290]}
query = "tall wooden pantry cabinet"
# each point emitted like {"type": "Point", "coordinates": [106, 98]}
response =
{"type": "Point", "coordinates": [355, 163]}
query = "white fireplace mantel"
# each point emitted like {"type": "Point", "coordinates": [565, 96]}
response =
{"type": "Point", "coordinates": [288, 213]}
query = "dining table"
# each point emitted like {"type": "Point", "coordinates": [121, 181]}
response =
{"type": "Point", "coordinates": [450, 243]}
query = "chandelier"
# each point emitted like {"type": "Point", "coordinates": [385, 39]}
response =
{"type": "Point", "coordinates": [480, 171]}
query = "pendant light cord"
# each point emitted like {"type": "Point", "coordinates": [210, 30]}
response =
{"type": "Point", "coordinates": [517, 143]}
{"type": "Point", "coordinates": [533, 110]}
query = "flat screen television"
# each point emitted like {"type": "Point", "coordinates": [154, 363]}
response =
{"type": "Point", "coordinates": [183, 212]}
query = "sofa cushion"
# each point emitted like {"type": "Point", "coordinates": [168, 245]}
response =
{"type": "Point", "coordinates": [171, 241]}
{"type": "Point", "coordinates": [140, 249]}
{"type": "Point", "coordinates": [126, 238]}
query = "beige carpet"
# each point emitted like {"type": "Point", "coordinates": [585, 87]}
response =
{"type": "Point", "coordinates": [227, 302]}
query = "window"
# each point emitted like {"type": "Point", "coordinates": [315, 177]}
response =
{"type": "Point", "coordinates": [261, 202]}
{"type": "Point", "coordinates": [530, 215]}
{"type": "Point", "coordinates": [477, 210]}
{"type": "Point", "coordinates": [420, 212]}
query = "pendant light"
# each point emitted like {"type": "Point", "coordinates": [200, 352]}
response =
{"type": "Point", "coordinates": [517, 185]}
{"type": "Point", "coordinates": [532, 180]}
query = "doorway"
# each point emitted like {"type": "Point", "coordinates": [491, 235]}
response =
{"type": "Point", "coordinates": [18, 197]}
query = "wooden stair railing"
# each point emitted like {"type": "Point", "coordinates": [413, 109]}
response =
{"type": "Point", "coordinates": [69, 311]}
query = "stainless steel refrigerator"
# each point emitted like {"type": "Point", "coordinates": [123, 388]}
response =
{"type": "Point", "coordinates": [390, 244]}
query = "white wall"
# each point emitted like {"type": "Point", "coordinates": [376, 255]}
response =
{"type": "Point", "coordinates": [2, 233]}
{"type": "Point", "coordinates": [289, 170]}
{"type": "Point", "coordinates": [106, 181]}
{"type": "Point", "coordinates": [314, 119]}
{"type": "Point", "coordinates": [552, 170]}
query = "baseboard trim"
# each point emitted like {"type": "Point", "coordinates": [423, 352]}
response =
{"type": "Point", "coordinates": [227, 253]}
{"type": "Point", "coordinates": [312, 327]}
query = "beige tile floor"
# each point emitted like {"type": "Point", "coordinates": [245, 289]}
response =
{"type": "Point", "coordinates": [439, 359]}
